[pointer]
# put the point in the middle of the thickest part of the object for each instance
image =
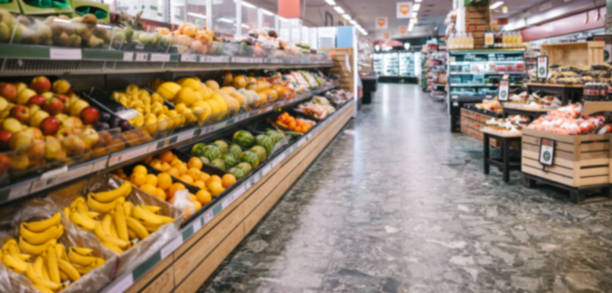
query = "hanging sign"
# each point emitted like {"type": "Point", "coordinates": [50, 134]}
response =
{"type": "Point", "coordinates": [403, 9]}
{"type": "Point", "coordinates": [542, 67]}
{"type": "Point", "coordinates": [503, 89]}
{"type": "Point", "coordinates": [386, 36]}
{"type": "Point", "coordinates": [381, 22]}
{"type": "Point", "coordinates": [547, 151]}
{"type": "Point", "coordinates": [403, 30]}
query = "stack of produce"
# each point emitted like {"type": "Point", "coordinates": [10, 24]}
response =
{"type": "Point", "coordinates": [569, 120]}
{"type": "Point", "coordinates": [511, 124]}
{"type": "Point", "coordinates": [298, 125]}
{"type": "Point", "coordinates": [490, 105]}
{"type": "Point", "coordinates": [533, 101]}
{"type": "Point", "coordinates": [48, 122]}
{"type": "Point", "coordinates": [189, 38]}
{"type": "Point", "coordinates": [259, 90]}
{"type": "Point", "coordinates": [46, 262]}
{"type": "Point", "coordinates": [579, 74]}
{"type": "Point", "coordinates": [232, 158]}
{"type": "Point", "coordinates": [339, 96]}
{"type": "Point", "coordinates": [117, 222]}
{"type": "Point", "coordinates": [318, 108]}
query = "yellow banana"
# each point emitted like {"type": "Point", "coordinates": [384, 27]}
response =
{"type": "Point", "coordinates": [61, 251]}
{"type": "Point", "coordinates": [22, 256]}
{"type": "Point", "coordinates": [38, 266]}
{"type": "Point", "coordinates": [107, 196]}
{"type": "Point", "coordinates": [10, 247]}
{"type": "Point", "coordinates": [52, 264]}
{"type": "Point", "coordinates": [53, 232]}
{"type": "Point", "coordinates": [107, 222]}
{"type": "Point", "coordinates": [116, 249]}
{"type": "Point", "coordinates": [38, 226]}
{"type": "Point", "coordinates": [14, 263]}
{"type": "Point", "coordinates": [128, 206]}
{"type": "Point", "coordinates": [113, 231]}
{"type": "Point", "coordinates": [34, 249]}
{"type": "Point", "coordinates": [101, 206]}
{"type": "Point", "coordinates": [120, 224]}
{"type": "Point", "coordinates": [67, 212]}
{"type": "Point", "coordinates": [131, 233]}
{"type": "Point", "coordinates": [36, 279]}
{"type": "Point", "coordinates": [42, 288]}
{"type": "Point", "coordinates": [92, 215]}
{"type": "Point", "coordinates": [79, 205]}
{"type": "Point", "coordinates": [83, 221]}
{"type": "Point", "coordinates": [70, 270]}
{"type": "Point", "coordinates": [63, 276]}
{"type": "Point", "coordinates": [82, 250]}
{"type": "Point", "coordinates": [151, 228]}
{"type": "Point", "coordinates": [137, 227]}
{"type": "Point", "coordinates": [150, 208]}
{"type": "Point", "coordinates": [109, 238]}
{"type": "Point", "coordinates": [80, 259]}
{"type": "Point", "coordinates": [149, 217]}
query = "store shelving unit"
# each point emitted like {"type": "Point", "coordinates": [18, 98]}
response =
{"type": "Point", "coordinates": [474, 75]}
{"type": "Point", "coordinates": [396, 66]}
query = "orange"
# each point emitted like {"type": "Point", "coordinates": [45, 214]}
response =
{"type": "Point", "coordinates": [203, 196]}
{"type": "Point", "coordinates": [196, 204]}
{"type": "Point", "coordinates": [186, 178]}
{"type": "Point", "coordinates": [156, 165]}
{"type": "Point", "coordinates": [199, 184]}
{"type": "Point", "coordinates": [165, 166]}
{"type": "Point", "coordinates": [182, 168]}
{"type": "Point", "coordinates": [194, 173]}
{"type": "Point", "coordinates": [148, 188]}
{"type": "Point", "coordinates": [204, 176]}
{"type": "Point", "coordinates": [216, 188]}
{"type": "Point", "coordinates": [164, 181]}
{"type": "Point", "coordinates": [228, 180]}
{"type": "Point", "coordinates": [152, 179]}
{"type": "Point", "coordinates": [213, 178]}
{"type": "Point", "coordinates": [138, 179]}
{"type": "Point", "coordinates": [140, 169]}
{"type": "Point", "coordinates": [175, 162]}
{"type": "Point", "coordinates": [194, 162]}
{"type": "Point", "coordinates": [174, 172]}
{"type": "Point", "coordinates": [167, 156]}
{"type": "Point", "coordinates": [161, 194]}
{"type": "Point", "coordinates": [174, 188]}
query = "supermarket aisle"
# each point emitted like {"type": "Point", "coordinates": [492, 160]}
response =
{"type": "Point", "coordinates": [399, 204]}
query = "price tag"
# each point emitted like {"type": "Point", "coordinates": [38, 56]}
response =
{"type": "Point", "coordinates": [121, 284]}
{"type": "Point", "coordinates": [64, 54]}
{"type": "Point", "coordinates": [141, 57]}
{"type": "Point", "coordinates": [20, 190]}
{"type": "Point", "coordinates": [99, 164]}
{"type": "Point", "coordinates": [170, 247]}
{"type": "Point", "coordinates": [128, 154]}
{"type": "Point", "coordinates": [217, 59]}
{"type": "Point", "coordinates": [503, 88]}
{"type": "Point", "coordinates": [128, 56]}
{"type": "Point", "coordinates": [196, 226]}
{"type": "Point", "coordinates": [547, 151]}
{"type": "Point", "coordinates": [54, 173]}
{"type": "Point", "coordinates": [208, 216]}
{"type": "Point", "coordinates": [189, 58]}
{"type": "Point", "coordinates": [489, 39]}
{"type": "Point", "coordinates": [160, 57]}
{"type": "Point", "coordinates": [127, 114]}
{"type": "Point", "coordinates": [542, 67]}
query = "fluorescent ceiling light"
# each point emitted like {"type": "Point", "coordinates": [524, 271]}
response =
{"type": "Point", "coordinates": [414, 14]}
{"type": "Point", "coordinates": [199, 15]}
{"type": "Point", "coordinates": [353, 22]}
{"type": "Point", "coordinates": [415, 19]}
{"type": "Point", "coordinates": [266, 12]}
{"type": "Point", "coordinates": [418, 1]}
{"type": "Point", "coordinates": [225, 19]}
{"type": "Point", "coordinates": [416, 7]}
{"type": "Point", "coordinates": [330, 2]}
{"type": "Point", "coordinates": [346, 16]}
{"type": "Point", "coordinates": [496, 5]}
{"type": "Point", "coordinates": [247, 4]}
{"type": "Point", "coordinates": [339, 9]}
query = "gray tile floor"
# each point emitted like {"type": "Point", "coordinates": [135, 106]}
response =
{"type": "Point", "coordinates": [397, 203]}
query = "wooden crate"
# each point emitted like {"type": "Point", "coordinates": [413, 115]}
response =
{"type": "Point", "coordinates": [472, 121]}
{"type": "Point", "coordinates": [574, 54]}
{"type": "Point", "coordinates": [340, 56]}
{"type": "Point", "coordinates": [579, 160]}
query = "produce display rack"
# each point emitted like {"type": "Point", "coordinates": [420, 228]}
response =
{"type": "Point", "coordinates": [567, 93]}
{"type": "Point", "coordinates": [532, 113]}
{"type": "Point", "coordinates": [25, 60]}
{"type": "Point", "coordinates": [191, 257]}
{"type": "Point", "coordinates": [66, 174]}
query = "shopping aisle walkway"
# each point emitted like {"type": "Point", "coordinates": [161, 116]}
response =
{"type": "Point", "coordinates": [397, 203]}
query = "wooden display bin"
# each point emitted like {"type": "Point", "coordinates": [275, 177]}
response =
{"type": "Point", "coordinates": [574, 54]}
{"type": "Point", "coordinates": [472, 122]}
{"type": "Point", "coordinates": [579, 160]}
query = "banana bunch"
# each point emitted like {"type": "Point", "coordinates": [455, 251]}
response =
{"type": "Point", "coordinates": [43, 260]}
{"type": "Point", "coordinates": [122, 224]}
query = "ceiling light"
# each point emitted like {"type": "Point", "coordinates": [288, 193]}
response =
{"type": "Point", "coordinates": [353, 22]}
{"type": "Point", "coordinates": [416, 7]}
{"type": "Point", "coordinates": [330, 2]}
{"type": "Point", "coordinates": [339, 9]}
{"type": "Point", "coordinates": [414, 14]}
{"type": "Point", "coordinates": [346, 16]}
{"type": "Point", "coordinates": [496, 5]}
{"type": "Point", "coordinates": [415, 19]}
{"type": "Point", "coordinates": [411, 26]}
{"type": "Point", "coordinates": [199, 15]}
{"type": "Point", "coordinates": [266, 12]}
{"type": "Point", "coordinates": [418, 1]}
{"type": "Point", "coordinates": [247, 4]}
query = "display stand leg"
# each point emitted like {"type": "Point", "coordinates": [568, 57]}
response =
{"type": "Point", "coordinates": [486, 153]}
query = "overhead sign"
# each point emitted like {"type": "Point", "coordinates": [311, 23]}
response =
{"type": "Point", "coordinates": [381, 22]}
{"type": "Point", "coordinates": [386, 36]}
{"type": "Point", "coordinates": [403, 9]}
{"type": "Point", "coordinates": [403, 30]}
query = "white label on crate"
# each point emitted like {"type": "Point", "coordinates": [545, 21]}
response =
{"type": "Point", "coordinates": [20, 190]}
{"type": "Point", "coordinates": [226, 202]}
{"type": "Point", "coordinates": [547, 151]}
{"type": "Point", "coordinates": [160, 57]}
{"type": "Point", "coordinates": [208, 216]}
{"type": "Point", "coordinates": [128, 56]}
{"type": "Point", "coordinates": [170, 247]}
{"type": "Point", "coordinates": [64, 54]}
{"type": "Point", "coordinates": [217, 59]}
{"type": "Point", "coordinates": [503, 89]}
{"type": "Point", "coordinates": [141, 57]}
{"type": "Point", "coordinates": [197, 224]}
{"type": "Point", "coordinates": [121, 284]}
{"type": "Point", "coordinates": [189, 58]}
{"type": "Point", "coordinates": [127, 114]}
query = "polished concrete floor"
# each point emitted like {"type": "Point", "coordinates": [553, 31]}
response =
{"type": "Point", "coordinates": [397, 203]}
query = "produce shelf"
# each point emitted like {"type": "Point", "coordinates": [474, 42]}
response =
{"type": "Point", "coordinates": [215, 217]}
{"type": "Point", "coordinates": [24, 60]}
{"type": "Point", "coordinates": [486, 51]}
{"type": "Point", "coordinates": [58, 177]}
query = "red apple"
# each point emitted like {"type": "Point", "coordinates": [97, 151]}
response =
{"type": "Point", "coordinates": [90, 115]}
{"type": "Point", "coordinates": [40, 84]}
{"type": "Point", "coordinates": [8, 90]}
{"type": "Point", "coordinates": [4, 163]}
{"type": "Point", "coordinates": [37, 100]}
{"type": "Point", "coordinates": [54, 106]}
{"type": "Point", "coordinates": [21, 112]}
{"type": "Point", "coordinates": [5, 136]}
{"type": "Point", "coordinates": [50, 125]}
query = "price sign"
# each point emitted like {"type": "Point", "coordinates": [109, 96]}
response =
{"type": "Point", "coordinates": [128, 56]}
{"type": "Point", "coordinates": [547, 151]}
{"type": "Point", "coordinates": [489, 40]}
{"type": "Point", "coordinates": [542, 67]}
{"type": "Point", "coordinates": [160, 57]}
{"type": "Point", "coordinates": [503, 88]}
{"type": "Point", "coordinates": [64, 54]}
{"type": "Point", "coordinates": [141, 57]}
{"type": "Point", "coordinates": [189, 58]}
